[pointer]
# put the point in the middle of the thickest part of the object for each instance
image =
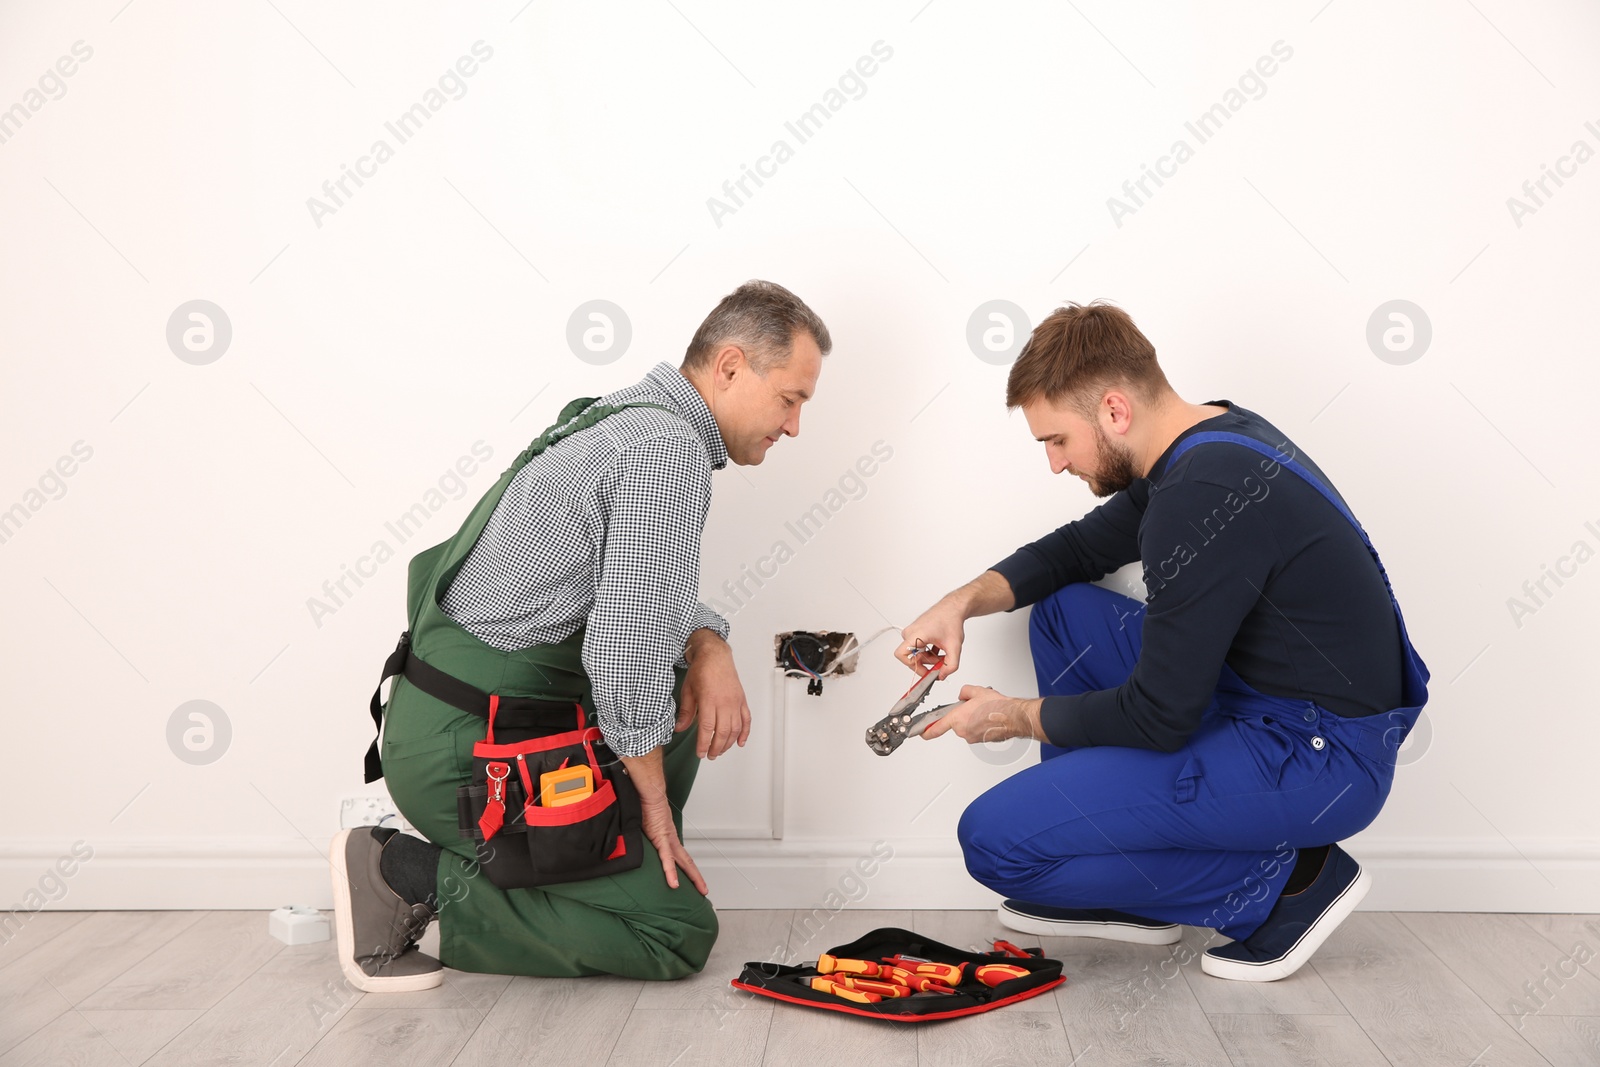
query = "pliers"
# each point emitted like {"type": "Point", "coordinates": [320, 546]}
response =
{"type": "Point", "coordinates": [904, 720]}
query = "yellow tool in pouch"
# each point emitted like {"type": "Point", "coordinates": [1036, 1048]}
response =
{"type": "Point", "coordinates": [568, 785]}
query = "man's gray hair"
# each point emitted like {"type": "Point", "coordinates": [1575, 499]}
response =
{"type": "Point", "coordinates": [760, 317]}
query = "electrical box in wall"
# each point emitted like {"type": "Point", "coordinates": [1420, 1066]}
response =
{"type": "Point", "coordinates": [815, 655]}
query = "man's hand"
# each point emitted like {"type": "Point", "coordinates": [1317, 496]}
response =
{"type": "Point", "coordinates": [659, 828]}
{"type": "Point", "coordinates": [650, 780]}
{"type": "Point", "coordinates": [712, 693]}
{"type": "Point", "coordinates": [987, 716]}
{"type": "Point", "coordinates": [944, 624]}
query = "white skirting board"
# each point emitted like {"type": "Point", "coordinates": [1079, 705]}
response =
{"type": "Point", "coordinates": [1468, 874]}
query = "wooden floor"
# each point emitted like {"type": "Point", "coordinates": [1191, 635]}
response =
{"type": "Point", "coordinates": [123, 988]}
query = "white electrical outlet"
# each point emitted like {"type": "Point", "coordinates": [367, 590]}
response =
{"type": "Point", "coordinates": [370, 809]}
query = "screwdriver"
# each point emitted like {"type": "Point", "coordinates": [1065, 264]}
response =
{"type": "Point", "coordinates": [992, 974]}
{"type": "Point", "coordinates": [917, 982]}
{"type": "Point", "coordinates": [827, 964]}
{"type": "Point", "coordinates": [948, 973]}
{"type": "Point", "coordinates": [829, 985]}
{"type": "Point", "coordinates": [887, 990]}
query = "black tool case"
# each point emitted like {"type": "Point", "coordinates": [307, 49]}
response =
{"type": "Point", "coordinates": [790, 983]}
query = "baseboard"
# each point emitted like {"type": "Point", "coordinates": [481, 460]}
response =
{"type": "Point", "coordinates": [1433, 874]}
{"type": "Point", "coordinates": [1408, 875]}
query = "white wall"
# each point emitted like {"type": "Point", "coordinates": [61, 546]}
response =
{"type": "Point", "coordinates": [373, 346]}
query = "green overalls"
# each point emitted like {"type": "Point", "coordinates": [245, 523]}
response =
{"type": "Point", "coordinates": [630, 924]}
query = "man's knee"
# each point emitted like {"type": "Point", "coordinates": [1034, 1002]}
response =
{"type": "Point", "coordinates": [979, 834]}
{"type": "Point", "coordinates": [1050, 624]}
{"type": "Point", "coordinates": [980, 863]}
{"type": "Point", "coordinates": [684, 935]}
{"type": "Point", "coordinates": [1052, 643]}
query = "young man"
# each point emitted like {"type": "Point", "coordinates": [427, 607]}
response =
{"type": "Point", "coordinates": [1202, 751]}
{"type": "Point", "coordinates": [576, 580]}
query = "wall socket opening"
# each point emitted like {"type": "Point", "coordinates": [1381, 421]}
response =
{"type": "Point", "coordinates": [815, 655]}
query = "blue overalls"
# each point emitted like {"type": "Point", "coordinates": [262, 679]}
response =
{"type": "Point", "coordinates": [1205, 836]}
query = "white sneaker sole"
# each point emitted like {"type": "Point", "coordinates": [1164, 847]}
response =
{"type": "Point", "coordinates": [1303, 950]}
{"type": "Point", "coordinates": [1132, 933]}
{"type": "Point", "coordinates": [344, 930]}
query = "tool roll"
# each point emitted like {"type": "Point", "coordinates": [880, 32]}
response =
{"type": "Point", "coordinates": [547, 800]}
{"type": "Point", "coordinates": [901, 976]}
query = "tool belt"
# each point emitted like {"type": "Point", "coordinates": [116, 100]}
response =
{"type": "Point", "coordinates": [901, 976]}
{"type": "Point", "coordinates": [518, 805]}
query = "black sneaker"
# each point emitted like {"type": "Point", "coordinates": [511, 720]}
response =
{"type": "Point", "coordinates": [1296, 927]}
{"type": "Point", "coordinates": [1042, 919]}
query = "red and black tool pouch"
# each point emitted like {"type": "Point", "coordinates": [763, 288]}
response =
{"type": "Point", "coordinates": [970, 996]}
{"type": "Point", "coordinates": [520, 842]}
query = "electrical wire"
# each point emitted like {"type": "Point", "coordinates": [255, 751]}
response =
{"type": "Point", "coordinates": [801, 663]}
{"type": "Point", "coordinates": [855, 643]}
{"type": "Point", "coordinates": [851, 645]}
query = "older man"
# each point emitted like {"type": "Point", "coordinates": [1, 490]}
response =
{"type": "Point", "coordinates": [575, 581]}
{"type": "Point", "coordinates": [1204, 750]}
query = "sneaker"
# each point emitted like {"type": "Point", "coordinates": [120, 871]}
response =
{"type": "Point", "coordinates": [1042, 919]}
{"type": "Point", "coordinates": [1296, 927]}
{"type": "Point", "coordinates": [377, 930]}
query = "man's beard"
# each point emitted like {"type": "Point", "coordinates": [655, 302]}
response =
{"type": "Point", "coordinates": [1115, 465]}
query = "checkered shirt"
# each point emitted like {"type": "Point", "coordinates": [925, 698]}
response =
{"type": "Point", "coordinates": [603, 530]}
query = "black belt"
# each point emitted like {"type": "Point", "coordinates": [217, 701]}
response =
{"type": "Point", "coordinates": [511, 712]}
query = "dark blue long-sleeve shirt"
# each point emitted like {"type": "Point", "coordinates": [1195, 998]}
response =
{"type": "Point", "coordinates": [1244, 563]}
